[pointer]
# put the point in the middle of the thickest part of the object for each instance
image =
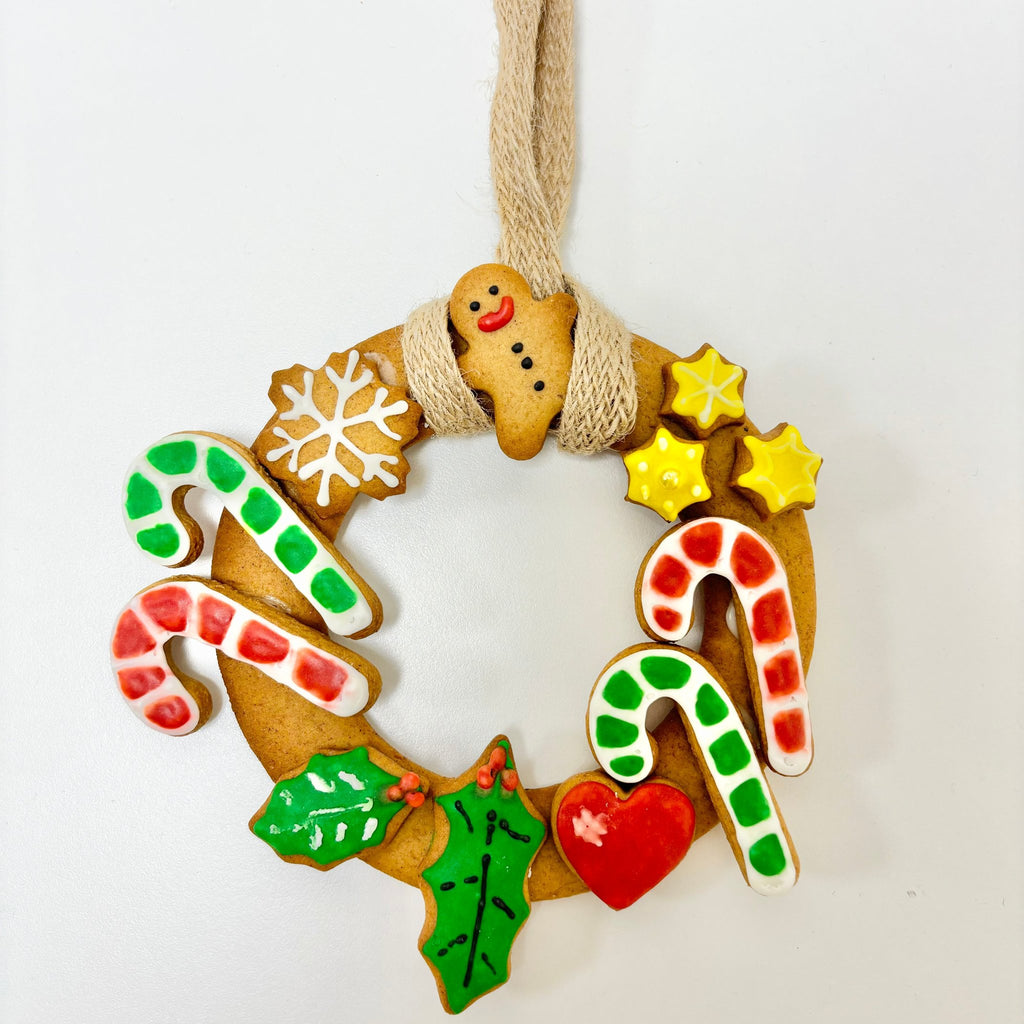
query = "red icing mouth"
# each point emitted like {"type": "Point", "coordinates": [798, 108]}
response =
{"type": "Point", "coordinates": [495, 321]}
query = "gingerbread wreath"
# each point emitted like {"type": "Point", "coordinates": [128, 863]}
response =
{"type": "Point", "coordinates": [482, 846]}
{"type": "Point", "coordinates": [523, 349]}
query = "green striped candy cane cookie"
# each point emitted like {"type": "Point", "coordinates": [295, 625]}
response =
{"type": "Point", "coordinates": [616, 727]}
{"type": "Point", "coordinates": [155, 514]}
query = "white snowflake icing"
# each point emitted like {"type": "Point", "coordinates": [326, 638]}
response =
{"type": "Point", "coordinates": [333, 426]}
{"type": "Point", "coordinates": [589, 827]}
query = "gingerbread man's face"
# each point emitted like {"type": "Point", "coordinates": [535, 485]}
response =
{"type": "Point", "coordinates": [519, 352]}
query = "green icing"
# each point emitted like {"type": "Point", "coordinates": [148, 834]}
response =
{"type": "Point", "coordinates": [161, 541]}
{"type": "Point", "coordinates": [173, 458]}
{"type": "Point", "coordinates": [295, 549]}
{"type": "Point", "coordinates": [665, 673]}
{"type": "Point", "coordinates": [141, 498]}
{"type": "Point", "coordinates": [330, 591]}
{"type": "Point", "coordinates": [332, 810]}
{"type": "Point", "coordinates": [730, 753]}
{"type": "Point", "coordinates": [622, 691]}
{"type": "Point", "coordinates": [260, 511]}
{"type": "Point", "coordinates": [225, 473]}
{"type": "Point", "coordinates": [749, 803]}
{"type": "Point", "coordinates": [614, 732]}
{"type": "Point", "coordinates": [478, 885]}
{"type": "Point", "coordinates": [626, 766]}
{"type": "Point", "coordinates": [767, 856]}
{"type": "Point", "coordinates": [710, 708]}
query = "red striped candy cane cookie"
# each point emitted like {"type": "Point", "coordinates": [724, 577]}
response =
{"type": "Point", "coordinates": [241, 627]}
{"type": "Point", "coordinates": [664, 602]}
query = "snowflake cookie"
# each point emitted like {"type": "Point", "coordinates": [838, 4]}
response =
{"type": "Point", "coordinates": [338, 430]}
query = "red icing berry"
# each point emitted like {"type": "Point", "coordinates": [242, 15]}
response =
{"type": "Point", "coordinates": [509, 779]}
{"type": "Point", "coordinates": [214, 618]}
{"type": "Point", "coordinates": [168, 607]}
{"type": "Point", "coordinates": [131, 638]}
{"type": "Point", "coordinates": [414, 799]}
{"type": "Point", "coordinates": [667, 620]}
{"type": "Point", "coordinates": [323, 677]}
{"type": "Point", "coordinates": [484, 778]}
{"type": "Point", "coordinates": [168, 713]}
{"type": "Point", "coordinates": [782, 674]}
{"type": "Point", "coordinates": [670, 577]}
{"type": "Point", "coordinates": [789, 730]}
{"type": "Point", "coordinates": [751, 561]}
{"type": "Point", "coordinates": [137, 681]}
{"type": "Point", "coordinates": [410, 780]}
{"type": "Point", "coordinates": [394, 793]}
{"type": "Point", "coordinates": [703, 543]}
{"type": "Point", "coordinates": [262, 645]}
{"type": "Point", "coordinates": [498, 759]}
{"type": "Point", "coordinates": [771, 618]}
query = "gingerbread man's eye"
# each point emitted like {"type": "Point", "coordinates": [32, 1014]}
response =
{"type": "Point", "coordinates": [493, 289]}
{"type": "Point", "coordinates": [474, 306]}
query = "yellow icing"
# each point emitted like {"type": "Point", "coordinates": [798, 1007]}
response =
{"type": "Point", "coordinates": [784, 470]}
{"type": "Point", "coordinates": [707, 388]}
{"type": "Point", "coordinates": [667, 474]}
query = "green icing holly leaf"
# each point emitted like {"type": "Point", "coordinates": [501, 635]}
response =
{"type": "Point", "coordinates": [336, 807]}
{"type": "Point", "coordinates": [478, 884]}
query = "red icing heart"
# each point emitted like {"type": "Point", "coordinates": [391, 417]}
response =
{"type": "Point", "coordinates": [642, 838]}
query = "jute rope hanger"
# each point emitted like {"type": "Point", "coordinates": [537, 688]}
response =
{"type": "Point", "coordinates": [532, 159]}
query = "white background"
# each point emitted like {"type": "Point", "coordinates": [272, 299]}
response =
{"type": "Point", "coordinates": [195, 195]}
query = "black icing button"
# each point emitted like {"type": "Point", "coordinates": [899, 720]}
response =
{"type": "Point", "coordinates": [527, 363]}
{"type": "Point", "coordinates": [493, 289]}
{"type": "Point", "coordinates": [539, 386]}
{"type": "Point", "coordinates": [474, 306]}
{"type": "Point", "coordinates": [517, 347]}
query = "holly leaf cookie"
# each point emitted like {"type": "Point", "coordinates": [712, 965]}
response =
{"type": "Point", "coordinates": [516, 349]}
{"type": "Point", "coordinates": [339, 431]}
{"type": "Point", "coordinates": [337, 806]}
{"type": "Point", "coordinates": [474, 879]}
{"type": "Point", "coordinates": [621, 846]}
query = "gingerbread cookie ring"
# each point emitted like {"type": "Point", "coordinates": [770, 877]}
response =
{"type": "Point", "coordinates": [362, 798]}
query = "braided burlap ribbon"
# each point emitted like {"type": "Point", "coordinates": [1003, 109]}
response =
{"type": "Point", "coordinates": [533, 144]}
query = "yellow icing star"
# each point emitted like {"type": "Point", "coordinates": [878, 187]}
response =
{"type": "Point", "coordinates": [709, 389]}
{"type": "Point", "coordinates": [784, 470]}
{"type": "Point", "coordinates": [667, 474]}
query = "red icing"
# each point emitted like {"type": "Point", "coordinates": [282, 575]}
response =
{"type": "Point", "coordinates": [751, 561]}
{"type": "Point", "coordinates": [771, 618]}
{"type": "Point", "coordinates": [790, 732]}
{"type": "Point", "coordinates": [702, 543]}
{"type": "Point", "coordinates": [484, 777]}
{"type": "Point", "coordinates": [667, 620]}
{"type": "Point", "coordinates": [320, 676]}
{"type": "Point", "coordinates": [168, 713]}
{"type": "Point", "coordinates": [496, 320]}
{"type": "Point", "coordinates": [394, 793]}
{"type": "Point", "coordinates": [509, 779]}
{"type": "Point", "coordinates": [137, 681]}
{"type": "Point", "coordinates": [131, 638]}
{"type": "Point", "coordinates": [670, 577]}
{"type": "Point", "coordinates": [214, 618]}
{"type": "Point", "coordinates": [168, 607]}
{"type": "Point", "coordinates": [647, 835]}
{"type": "Point", "coordinates": [414, 799]}
{"type": "Point", "coordinates": [782, 674]}
{"type": "Point", "coordinates": [262, 645]}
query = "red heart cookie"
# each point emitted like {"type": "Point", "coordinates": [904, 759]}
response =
{"type": "Point", "coordinates": [622, 847]}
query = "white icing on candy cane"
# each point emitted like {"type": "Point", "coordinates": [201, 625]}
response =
{"type": "Point", "coordinates": [616, 727]}
{"type": "Point", "coordinates": [314, 667]}
{"type": "Point", "coordinates": [156, 517]}
{"type": "Point", "coordinates": [723, 547]}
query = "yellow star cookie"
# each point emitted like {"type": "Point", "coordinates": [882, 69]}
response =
{"type": "Point", "coordinates": [667, 474]}
{"type": "Point", "coordinates": [776, 471]}
{"type": "Point", "coordinates": [704, 392]}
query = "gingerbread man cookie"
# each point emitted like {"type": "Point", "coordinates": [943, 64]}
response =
{"type": "Point", "coordinates": [517, 350]}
